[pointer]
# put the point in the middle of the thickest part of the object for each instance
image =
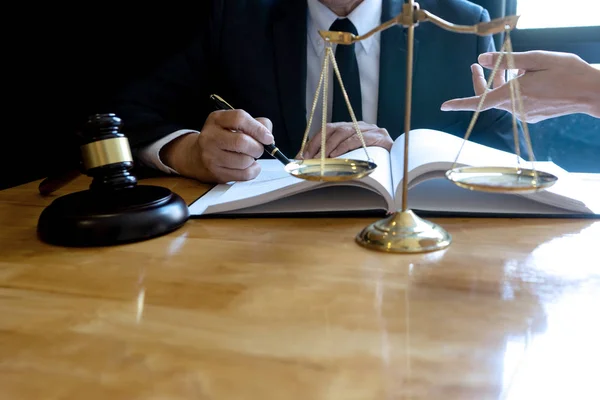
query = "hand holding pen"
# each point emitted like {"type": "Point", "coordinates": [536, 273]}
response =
{"type": "Point", "coordinates": [270, 148]}
{"type": "Point", "coordinates": [226, 149]}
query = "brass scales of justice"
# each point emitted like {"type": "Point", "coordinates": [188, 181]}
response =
{"type": "Point", "coordinates": [404, 231]}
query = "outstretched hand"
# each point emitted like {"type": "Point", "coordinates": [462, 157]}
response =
{"type": "Point", "coordinates": [552, 84]}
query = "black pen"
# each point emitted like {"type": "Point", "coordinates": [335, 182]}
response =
{"type": "Point", "coordinates": [270, 148]}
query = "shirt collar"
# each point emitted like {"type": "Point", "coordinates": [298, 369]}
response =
{"type": "Point", "coordinates": [364, 17]}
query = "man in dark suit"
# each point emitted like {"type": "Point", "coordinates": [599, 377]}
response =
{"type": "Point", "coordinates": [263, 56]}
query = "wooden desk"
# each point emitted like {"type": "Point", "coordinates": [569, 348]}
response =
{"type": "Point", "coordinates": [294, 309]}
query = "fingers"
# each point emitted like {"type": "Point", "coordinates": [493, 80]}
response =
{"type": "Point", "coordinates": [348, 144]}
{"type": "Point", "coordinates": [224, 150]}
{"type": "Point", "coordinates": [238, 142]}
{"type": "Point", "coordinates": [225, 166]}
{"type": "Point", "coordinates": [529, 60]}
{"type": "Point", "coordinates": [479, 83]}
{"type": "Point", "coordinates": [236, 131]}
{"type": "Point", "coordinates": [479, 87]}
{"type": "Point", "coordinates": [342, 138]}
{"type": "Point", "coordinates": [499, 78]}
{"type": "Point", "coordinates": [230, 175]}
{"type": "Point", "coordinates": [241, 121]}
{"type": "Point", "coordinates": [267, 123]}
{"type": "Point", "coordinates": [314, 144]}
{"type": "Point", "coordinates": [462, 104]}
{"type": "Point", "coordinates": [228, 145]}
{"type": "Point", "coordinates": [495, 98]}
{"type": "Point", "coordinates": [336, 133]}
{"type": "Point", "coordinates": [373, 137]}
{"type": "Point", "coordinates": [231, 160]}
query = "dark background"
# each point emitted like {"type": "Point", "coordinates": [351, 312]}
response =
{"type": "Point", "coordinates": [62, 64]}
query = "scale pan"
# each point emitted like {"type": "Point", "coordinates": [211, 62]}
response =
{"type": "Point", "coordinates": [334, 169]}
{"type": "Point", "coordinates": [501, 179]}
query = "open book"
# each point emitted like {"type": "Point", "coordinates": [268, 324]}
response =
{"type": "Point", "coordinates": [432, 153]}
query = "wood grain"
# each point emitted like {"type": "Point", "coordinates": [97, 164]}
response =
{"type": "Point", "coordinates": [294, 309]}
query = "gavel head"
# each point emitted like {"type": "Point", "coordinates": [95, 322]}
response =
{"type": "Point", "coordinates": [106, 155]}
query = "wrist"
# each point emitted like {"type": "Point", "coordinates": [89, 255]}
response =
{"type": "Point", "coordinates": [184, 156]}
{"type": "Point", "coordinates": [175, 153]}
{"type": "Point", "coordinates": [592, 98]}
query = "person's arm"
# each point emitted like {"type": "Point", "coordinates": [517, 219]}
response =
{"type": "Point", "coordinates": [167, 117]}
{"type": "Point", "coordinates": [154, 154]}
{"type": "Point", "coordinates": [552, 84]}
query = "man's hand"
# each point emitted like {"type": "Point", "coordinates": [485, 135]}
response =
{"type": "Point", "coordinates": [342, 138]}
{"type": "Point", "coordinates": [224, 151]}
{"type": "Point", "coordinates": [552, 84]}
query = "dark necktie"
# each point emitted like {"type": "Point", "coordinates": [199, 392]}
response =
{"type": "Point", "coordinates": [345, 57]}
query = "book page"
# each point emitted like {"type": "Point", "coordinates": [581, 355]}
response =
{"type": "Point", "coordinates": [274, 183]}
{"type": "Point", "coordinates": [329, 200]}
{"type": "Point", "coordinates": [426, 197]}
{"type": "Point", "coordinates": [432, 153]}
{"type": "Point", "coordinates": [574, 192]}
{"type": "Point", "coordinates": [431, 150]}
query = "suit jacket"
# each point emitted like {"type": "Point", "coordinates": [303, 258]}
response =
{"type": "Point", "coordinates": [253, 53]}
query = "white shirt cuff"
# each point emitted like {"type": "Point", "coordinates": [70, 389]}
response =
{"type": "Point", "coordinates": [150, 155]}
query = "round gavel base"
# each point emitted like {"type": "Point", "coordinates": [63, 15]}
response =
{"type": "Point", "coordinates": [103, 218]}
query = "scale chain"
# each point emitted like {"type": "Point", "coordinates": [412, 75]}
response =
{"type": "Point", "coordinates": [323, 86]}
{"type": "Point", "coordinates": [516, 100]}
{"type": "Point", "coordinates": [314, 106]}
{"type": "Point", "coordinates": [346, 98]}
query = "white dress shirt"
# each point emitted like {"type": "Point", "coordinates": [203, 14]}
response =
{"type": "Point", "coordinates": [365, 17]}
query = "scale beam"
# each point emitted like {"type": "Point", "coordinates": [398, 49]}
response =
{"type": "Point", "coordinates": [412, 16]}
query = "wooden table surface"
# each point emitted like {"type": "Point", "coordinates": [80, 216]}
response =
{"type": "Point", "coordinates": [294, 309]}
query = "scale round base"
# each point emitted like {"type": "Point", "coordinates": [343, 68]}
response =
{"type": "Point", "coordinates": [334, 169]}
{"type": "Point", "coordinates": [501, 179]}
{"type": "Point", "coordinates": [404, 232]}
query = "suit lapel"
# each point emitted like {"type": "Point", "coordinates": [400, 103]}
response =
{"type": "Point", "coordinates": [392, 72]}
{"type": "Point", "coordinates": [289, 30]}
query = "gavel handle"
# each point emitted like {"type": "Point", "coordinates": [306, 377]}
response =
{"type": "Point", "coordinates": [57, 181]}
